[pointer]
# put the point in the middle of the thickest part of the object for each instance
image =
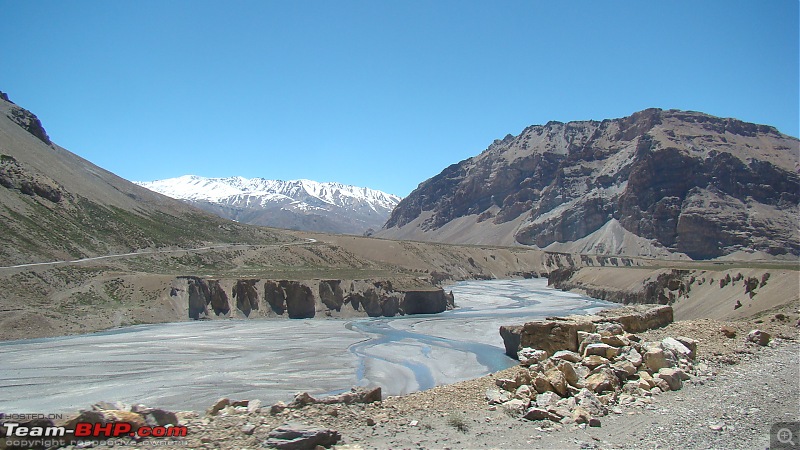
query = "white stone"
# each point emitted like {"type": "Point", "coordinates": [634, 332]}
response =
{"type": "Point", "coordinates": [529, 356]}
{"type": "Point", "coordinates": [547, 399]}
{"type": "Point", "coordinates": [676, 347]}
{"type": "Point", "coordinates": [567, 355]}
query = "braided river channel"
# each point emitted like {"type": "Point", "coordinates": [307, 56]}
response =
{"type": "Point", "coordinates": [188, 365]}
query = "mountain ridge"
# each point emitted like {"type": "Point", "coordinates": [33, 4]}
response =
{"type": "Point", "coordinates": [55, 205]}
{"type": "Point", "coordinates": [688, 183]}
{"type": "Point", "coordinates": [297, 204]}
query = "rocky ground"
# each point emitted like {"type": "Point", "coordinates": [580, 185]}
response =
{"type": "Point", "coordinates": [740, 391]}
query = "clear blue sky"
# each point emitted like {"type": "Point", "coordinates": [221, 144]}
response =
{"type": "Point", "coordinates": [383, 94]}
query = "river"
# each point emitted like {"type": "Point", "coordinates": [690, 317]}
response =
{"type": "Point", "coordinates": [188, 365]}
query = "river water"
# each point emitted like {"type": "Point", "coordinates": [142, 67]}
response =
{"type": "Point", "coordinates": [188, 365]}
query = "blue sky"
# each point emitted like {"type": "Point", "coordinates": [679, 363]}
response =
{"type": "Point", "coordinates": [382, 94]}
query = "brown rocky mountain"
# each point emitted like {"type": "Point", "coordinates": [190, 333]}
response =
{"type": "Point", "coordinates": [55, 205]}
{"type": "Point", "coordinates": [657, 183]}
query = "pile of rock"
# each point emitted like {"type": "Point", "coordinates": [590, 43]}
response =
{"type": "Point", "coordinates": [609, 367]}
{"type": "Point", "coordinates": [291, 434]}
{"type": "Point", "coordinates": [136, 415]}
{"type": "Point", "coordinates": [561, 333]}
{"type": "Point", "coordinates": [356, 395]}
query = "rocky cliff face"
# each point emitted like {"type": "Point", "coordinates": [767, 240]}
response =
{"type": "Point", "coordinates": [26, 119]}
{"type": "Point", "coordinates": [655, 183]}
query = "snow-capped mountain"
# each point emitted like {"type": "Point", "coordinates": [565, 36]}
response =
{"type": "Point", "coordinates": [294, 204]}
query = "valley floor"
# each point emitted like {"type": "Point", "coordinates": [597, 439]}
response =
{"type": "Point", "coordinates": [745, 391]}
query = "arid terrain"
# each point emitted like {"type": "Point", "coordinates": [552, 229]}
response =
{"type": "Point", "coordinates": [737, 391]}
{"type": "Point", "coordinates": [742, 393]}
{"type": "Point", "coordinates": [127, 290]}
{"type": "Point", "coordinates": [84, 250]}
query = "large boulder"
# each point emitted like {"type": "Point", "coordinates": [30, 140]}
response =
{"type": "Point", "coordinates": [570, 375]}
{"type": "Point", "coordinates": [637, 322]}
{"type": "Point", "coordinates": [296, 437]}
{"type": "Point", "coordinates": [536, 413]}
{"type": "Point", "coordinates": [602, 381]}
{"type": "Point", "coordinates": [553, 335]}
{"type": "Point", "coordinates": [655, 359]}
{"type": "Point", "coordinates": [529, 356]}
{"type": "Point", "coordinates": [759, 337]}
{"type": "Point", "coordinates": [511, 335]}
{"type": "Point", "coordinates": [589, 401]}
{"type": "Point", "coordinates": [574, 333]}
{"type": "Point", "coordinates": [557, 380]}
{"type": "Point", "coordinates": [677, 347]}
{"type": "Point", "coordinates": [673, 377]}
{"type": "Point", "coordinates": [103, 416]}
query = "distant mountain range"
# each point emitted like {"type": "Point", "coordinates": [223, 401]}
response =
{"type": "Point", "coordinates": [657, 183]}
{"type": "Point", "coordinates": [296, 204]}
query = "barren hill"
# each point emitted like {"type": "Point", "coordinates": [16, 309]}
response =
{"type": "Point", "coordinates": [657, 183]}
{"type": "Point", "coordinates": [56, 205]}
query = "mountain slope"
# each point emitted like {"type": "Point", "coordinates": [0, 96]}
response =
{"type": "Point", "coordinates": [656, 183]}
{"type": "Point", "coordinates": [296, 204]}
{"type": "Point", "coordinates": [56, 205]}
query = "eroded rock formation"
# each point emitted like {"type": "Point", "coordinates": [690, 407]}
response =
{"type": "Point", "coordinates": [331, 294]}
{"type": "Point", "coordinates": [29, 122]}
{"type": "Point", "coordinates": [427, 302]}
{"type": "Point", "coordinates": [14, 176]}
{"type": "Point", "coordinates": [218, 298]}
{"type": "Point", "coordinates": [246, 296]}
{"type": "Point", "coordinates": [199, 297]}
{"type": "Point", "coordinates": [308, 299]}
{"type": "Point", "coordinates": [654, 183]}
{"type": "Point", "coordinates": [300, 301]}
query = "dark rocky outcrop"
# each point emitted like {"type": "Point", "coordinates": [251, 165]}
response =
{"type": "Point", "coordinates": [14, 176]}
{"type": "Point", "coordinates": [275, 297]}
{"type": "Point", "coordinates": [218, 298]}
{"type": "Point", "coordinates": [300, 437]}
{"type": "Point", "coordinates": [331, 294]}
{"type": "Point", "coordinates": [29, 122]}
{"type": "Point", "coordinates": [246, 296]}
{"type": "Point", "coordinates": [199, 297]}
{"type": "Point", "coordinates": [297, 299]}
{"type": "Point", "coordinates": [368, 301]}
{"type": "Point", "coordinates": [427, 302]}
{"type": "Point", "coordinates": [668, 287]}
{"type": "Point", "coordinates": [683, 181]}
{"type": "Point", "coordinates": [300, 303]}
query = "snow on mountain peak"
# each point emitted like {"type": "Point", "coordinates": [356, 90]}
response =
{"type": "Point", "coordinates": [313, 193]}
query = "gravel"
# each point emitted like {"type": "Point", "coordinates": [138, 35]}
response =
{"type": "Point", "coordinates": [742, 390]}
